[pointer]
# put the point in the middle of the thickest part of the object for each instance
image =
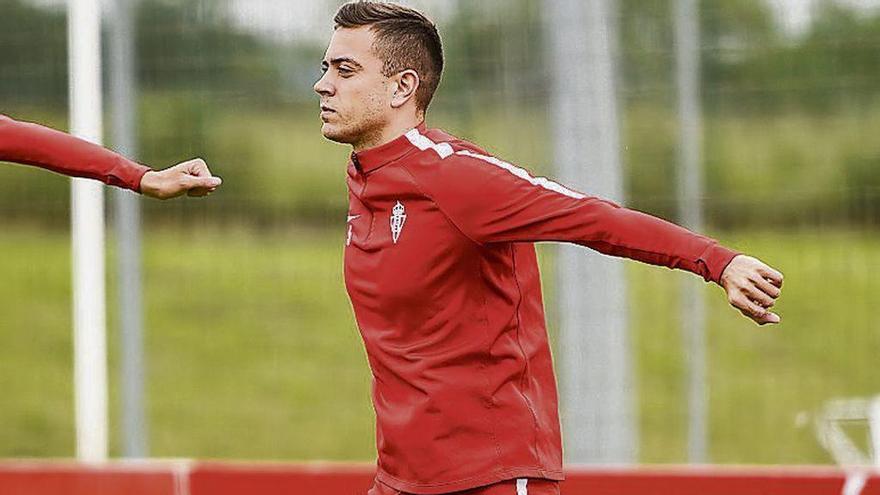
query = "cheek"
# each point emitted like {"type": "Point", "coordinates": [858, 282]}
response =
{"type": "Point", "coordinates": [362, 100]}
{"type": "Point", "coordinates": [376, 102]}
{"type": "Point", "coordinates": [366, 107]}
{"type": "Point", "coordinates": [379, 100]}
{"type": "Point", "coordinates": [355, 100]}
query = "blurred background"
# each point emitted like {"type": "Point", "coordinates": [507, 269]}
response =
{"type": "Point", "coordinates": [251, 351]}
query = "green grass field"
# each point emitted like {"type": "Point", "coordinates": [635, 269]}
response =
{"type": "Point", "coordinates": [252, 351]}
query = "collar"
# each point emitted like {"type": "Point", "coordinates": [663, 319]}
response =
{"type": "Point", "coordinates": [368, 160]}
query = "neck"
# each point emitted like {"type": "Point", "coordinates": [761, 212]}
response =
{"type": "Point", "coordinates": [388, 133]}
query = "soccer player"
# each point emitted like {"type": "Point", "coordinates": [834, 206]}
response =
{"type": "Point", "coordinates": [33, 144]}
{"type": "Point", "coordinates": [442, 274]}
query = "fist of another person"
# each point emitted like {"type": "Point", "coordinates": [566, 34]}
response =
{"type": "Point", "coordinates": [752, 287]}
{"type": "Point", "coordinates": [191, 177]}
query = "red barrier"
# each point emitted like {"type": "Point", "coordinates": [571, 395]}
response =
{"type": "Point", "coordinates": [215, 478]}
{"type": "Point", "coordinates": [46, 478]}
{"type": "Point", "coordinates": [712, 480]}
{"type": "Point", "coordinates": [268, 479]}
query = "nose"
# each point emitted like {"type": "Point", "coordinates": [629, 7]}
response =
{"type": "Point", "coordinates": [323, 86]}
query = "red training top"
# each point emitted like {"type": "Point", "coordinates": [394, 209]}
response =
{"type": "Point", "coordinates": [443, 278]}
{"type": "Point", "coordinates": [33, 144]}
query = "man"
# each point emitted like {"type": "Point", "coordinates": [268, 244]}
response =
{"type": "Point", "coordinates": [442, 273]}
{"type": "Point", "coordinates": [32, 144]}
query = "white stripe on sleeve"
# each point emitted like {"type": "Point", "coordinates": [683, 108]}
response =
{"type": "Point", "coordinates": [523, 174]}
{"type": "Point", "coordinates": [444, 150]}
{"type": "Point", "coordinates": [423, 143]}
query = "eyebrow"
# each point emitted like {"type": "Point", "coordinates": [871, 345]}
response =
{"type": "Point", "coordinates": [342, 60]}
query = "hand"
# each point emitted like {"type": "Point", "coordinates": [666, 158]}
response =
{"type": "Point", "coordinates": [752, 287]}
{"type": "Point", "coordinates": [191, 177]}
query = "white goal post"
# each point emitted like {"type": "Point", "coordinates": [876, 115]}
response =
{"type": "Point", "coordinates": [87, 231]}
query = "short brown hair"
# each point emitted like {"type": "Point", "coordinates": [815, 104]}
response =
{"type": "Point", "coordinates": [405, 39]}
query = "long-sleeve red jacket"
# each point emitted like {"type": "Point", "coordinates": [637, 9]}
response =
{"type": "Point", "coordinates": [443, 278]}
{"type": "Point", "coordinates": [33, 144]}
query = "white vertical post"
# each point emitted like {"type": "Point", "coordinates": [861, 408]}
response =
{"type": "Point", "coordinates": [123, 97]}
{"type": "Point", "coordinates": [690, 190]}
{"type": "Point", "coordinates": [87, 219]}
{"type": "Point", "coordinates": [874, 428]}
{"type": "Point", "coordinates": [598, 400]}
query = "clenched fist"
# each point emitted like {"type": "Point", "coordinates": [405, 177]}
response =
{"type": "Point", "coordinates": [752, 287]}
{"type": "Point", "coordinates": [191, 177]}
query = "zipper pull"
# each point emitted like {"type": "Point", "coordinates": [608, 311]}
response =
{"type": "Point", "coordinates": [357, 163]}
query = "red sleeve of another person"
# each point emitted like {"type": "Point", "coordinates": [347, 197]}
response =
{"type": "Point", "coordinates": [493, 201]}
{"type": "Point", "coordinates": [33, 144]}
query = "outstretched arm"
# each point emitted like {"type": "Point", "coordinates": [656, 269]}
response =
{"type": "Point", "coordinates": [493, 201]}
{"type": "Point", "coordinates": [36, 145]}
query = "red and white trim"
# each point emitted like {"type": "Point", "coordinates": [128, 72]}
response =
{"type": "Point", "coordinates": [423, 143]}
{"type": "Point", "coordinates": [444, 150]}
{"type": "Point", "coordinates": [523, 174]}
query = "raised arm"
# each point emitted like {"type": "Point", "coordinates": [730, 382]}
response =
{"type": "Point", "coordinates": [40, 146]}
{"type": "Point", "coordinates": [491, 201]}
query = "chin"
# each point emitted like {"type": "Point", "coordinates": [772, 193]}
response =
{"type": "Point", "coordinates": [336, 134]}
{"type": "Point", "coordinates": [333, 134]}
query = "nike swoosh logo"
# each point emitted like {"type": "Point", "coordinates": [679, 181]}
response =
{"type": "Point", "coordinates": [352, 217]}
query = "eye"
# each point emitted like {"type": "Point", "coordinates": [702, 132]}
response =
{"type": "Point", "coordinates": [345, 71]}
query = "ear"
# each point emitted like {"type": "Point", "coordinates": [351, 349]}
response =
{"type": "Point", "coordinates": [406, 84]}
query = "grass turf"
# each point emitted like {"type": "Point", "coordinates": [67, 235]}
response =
{"type": "Point", "coordinates": [252, 351]}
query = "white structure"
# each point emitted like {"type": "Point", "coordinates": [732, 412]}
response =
{"type": "Point", "coordinates": [597, 395]}
{"type": "Point", "coordinates": [833, 437]}
{"type": "Point", "coordinates": [87, 212]}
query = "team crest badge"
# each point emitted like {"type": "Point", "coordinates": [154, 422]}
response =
{"type": "Point", "coordinates": [398, 218]}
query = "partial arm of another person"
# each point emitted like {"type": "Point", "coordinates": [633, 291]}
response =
{"type": "Point", "coordinates": [752, 287]}
{"type": "Point", "coordinates": [40, 146]}
{"type": "Point", "coordinates": [493, 201]}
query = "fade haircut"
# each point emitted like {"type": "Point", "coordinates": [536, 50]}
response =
{"type": "Point", "coordinates": [404, 40]}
